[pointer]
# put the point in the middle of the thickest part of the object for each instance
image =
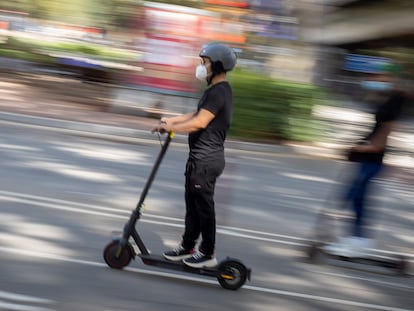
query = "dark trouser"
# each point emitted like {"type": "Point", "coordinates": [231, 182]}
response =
{"type": "Point", "coordinates": [200, 215]}
{"type": "Point", "coordinates": [358, 192]}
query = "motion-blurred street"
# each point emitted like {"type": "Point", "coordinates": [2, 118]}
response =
{"type": "Point", "coordinates": [83, 82]}
{"type": "Point", "coordinates": [63, 195]}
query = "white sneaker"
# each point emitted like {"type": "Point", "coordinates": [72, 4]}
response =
{"type": "Point", "coordinates": [338, 248]}
{"type": "Point", "coordinates": [364, 243]}
{"type": "Point", "coordinates": [351, 247]}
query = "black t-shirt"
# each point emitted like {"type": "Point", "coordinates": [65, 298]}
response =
{"type": "Point", "coordinates": [208, 144]}
{"type": "Point", "coordinates": [389, 111]}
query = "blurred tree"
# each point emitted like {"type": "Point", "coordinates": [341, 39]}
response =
{"type": "Point", "coordinates": [190, 3]}
{"type": "Point", "coordinates": [101, 13]}
{"type": "Point", "coordinates": [16, 5]}
{"type": "Point", "coordinates": [117, 13]}
{"type": "Point", "coordinates": [71, 11]}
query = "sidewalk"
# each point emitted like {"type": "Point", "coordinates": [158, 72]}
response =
{"type": "Point", "coordinates": [63, 103]}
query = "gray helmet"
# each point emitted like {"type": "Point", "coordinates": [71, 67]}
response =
{"type": "Point", "coordinates": [218, 52]}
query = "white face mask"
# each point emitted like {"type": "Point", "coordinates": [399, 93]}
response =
{"type": "Point", "coordinates": [201, 72]}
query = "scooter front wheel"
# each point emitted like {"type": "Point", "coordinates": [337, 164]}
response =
{"type": "Point", "coordinates": [117, 257]}
{"type": "Point", "coordinates": [232, 274]}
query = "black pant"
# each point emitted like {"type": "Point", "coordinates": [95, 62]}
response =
{"type": "Point", "coordinates": [200, 215]}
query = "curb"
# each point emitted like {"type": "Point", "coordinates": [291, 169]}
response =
{"type": "Point", "coordinates": [128, 135]}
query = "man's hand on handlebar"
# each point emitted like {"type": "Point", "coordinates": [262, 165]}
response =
{"type": "Point", "coordinates": [162, 127]}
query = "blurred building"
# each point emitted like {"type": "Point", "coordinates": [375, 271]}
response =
{"type": "Point", "coordinates": [360, 24]}
{"type": "Point", "coordinates": [351, 34]}
{"type": "Point", "coordinates": [169, 44]}
{"type": "Point", "coordinates": [12, 20]}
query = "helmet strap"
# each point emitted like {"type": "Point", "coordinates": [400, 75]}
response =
{"type": "Point", "coordinates": [210, 77]}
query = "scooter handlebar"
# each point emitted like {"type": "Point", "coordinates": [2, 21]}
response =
{"type": "Point", "coordinates": [170, 133]}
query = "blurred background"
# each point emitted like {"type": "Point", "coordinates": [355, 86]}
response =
{"type": "Point", "coordinates": [82, 82]}
{"type": "Point", "coordinates": [300, 63]}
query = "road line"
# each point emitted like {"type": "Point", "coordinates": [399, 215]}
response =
{"type": "Point", "coordinates": [13, 301]}
{"type": "Point", "coordinates": [221, 229]}
{"type": "Point", "coordinates": [52, 200]}
{"type": "Point", "coordinates": [82, 211]}
{"type": "Point", "coordinates": [22, 298]}
{"type": "Point", "coordinates": [59, 207]}
{"type": "Point", "coordinates": [17, 307]}
{"type": "Point", "coordinates": [124, 138]}
{"type": "Point", "coordinates": [352, 277]}
{"type": "Point", "coordinates": [324, 299]}
{"type": "Point", "coordinates": [78, 207]}
{"type": "Point", "coordinates": [82, 133]}
{"type": "Point", "coordinates": [206, 281]}
{"type": "Point", "coordinates": [104, 212]}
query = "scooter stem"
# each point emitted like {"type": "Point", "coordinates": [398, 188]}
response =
{"type": "Point", "coordinates": [154, 170]}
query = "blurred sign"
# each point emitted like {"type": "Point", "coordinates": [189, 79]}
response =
{"type": "Point", "coordinates": [365, 63]}
{"type": "Point", "coordinates": [274, 5]}
{"type": "Point", "coordinates": [12, 20]}
{"type": "Point", "coordinates": [173, 38]}
{"type": "Point", "coordinates": [279, 27]}
{"type": "Point", "coordinates": [229, 3]}
{"type": "Point", "coordinates": [170, 46]}
{"type": "Point", "coordinates": [4, 25]}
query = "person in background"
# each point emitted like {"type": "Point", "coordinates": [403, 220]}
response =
{"type": "Point", "coordinates": [207, 128]}
{"type": "Point", "coordinates": [369, 153]}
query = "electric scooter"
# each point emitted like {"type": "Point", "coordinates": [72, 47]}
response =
{"type": "Point", "coordinates": [317, 250]}
{"type": "Point", "coordinates": [324, 233]}
{"type": "Point", "coordinates": [231, 273]}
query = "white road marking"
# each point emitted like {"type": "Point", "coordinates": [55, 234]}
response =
{"type": "Point", "coordinates": [324, 299]}
{"type": "Point", "coordinates": [22, 298]}
{"type": "Point", "coordinates": [206, 281]}
{"type": "Point", "coordinates": [99, 210]}
{"type": "Point", "coordinates": [124, 138]}
{"type": "Point", "coordinates": [17, 307]}
{"type": "Point", "coordinates": [13, 301]}
{"type": "Point", "coordinates": [353, 277]}
{"type": "Point", "coordinates": [94, 135]}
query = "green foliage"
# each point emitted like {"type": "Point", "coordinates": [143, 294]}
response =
{"type": "Point", "coordinates": [26, 56]}
{"type": "Point", "coordinates": [271, 110]}
{"type": "Point", "coordinates": [36, 47]}
{"type": "Point", "coordinates": [16, 5]}
{"type": "Point", "coordinates": [265, 109]}
{"type": "Point", "coordinates": [100, 13]}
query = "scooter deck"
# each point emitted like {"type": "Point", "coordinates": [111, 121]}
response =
{"type": "Point", "coordinates": [160, 261]}
{"type": "Point", "coordinates": [371, 257]}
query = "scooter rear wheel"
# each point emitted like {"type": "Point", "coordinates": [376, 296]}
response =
{"type": "Point", "coordinates": [232, 274]}
{"type": "Point", "coordinates": [401, 266]}
{"type": "Point", "coordinates": [117, 257]}
{"type": "Point", "coordinates": [312, 252]}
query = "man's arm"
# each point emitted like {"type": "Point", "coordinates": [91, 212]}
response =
{"type": "Point", "coordinates": [379, 141]}
{"type": "Point", "coordinates": [198, 121]}
{"type": "Point", "coordinates": [178, 119]}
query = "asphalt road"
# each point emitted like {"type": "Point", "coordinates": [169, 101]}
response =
{"type": "Point", "coordinates": [62, 196]}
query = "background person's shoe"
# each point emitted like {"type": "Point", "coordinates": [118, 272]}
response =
{"type": "Point", "coordinates": [339, 248]}
{"type": "Point", "coordinates": [351, 247]}
{"type": "Point", "coordinates": [199, 260]}
{"type": "Point", "coordinates": [178, 253]}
